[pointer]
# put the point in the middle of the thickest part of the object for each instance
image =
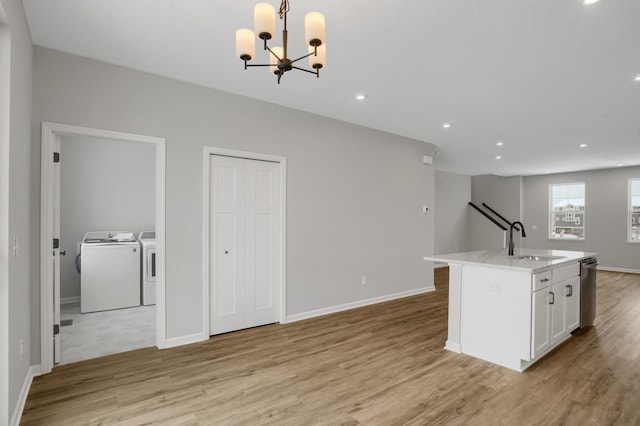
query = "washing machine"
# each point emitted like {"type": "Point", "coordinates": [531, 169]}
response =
{"type": "Point", "coordinates": [148, 282]}
{"type": "Point", "coordinates": [110, 277]}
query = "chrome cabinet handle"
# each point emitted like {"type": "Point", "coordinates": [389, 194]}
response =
{"type": "Point", "coordinates": [570, 290]}
{"type": "Point", "coordinates": [544, 280]}
{"type": "Point", "coordinates": [553, 298]}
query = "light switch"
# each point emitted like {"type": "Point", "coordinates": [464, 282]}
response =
{"type": "Point", "coordinates": [16, 247]}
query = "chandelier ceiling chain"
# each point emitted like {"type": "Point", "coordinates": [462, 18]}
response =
{"type": "Point", "coordinates": [279, 61]}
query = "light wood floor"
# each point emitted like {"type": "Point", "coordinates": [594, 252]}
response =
{"type": "Point", "coordinates": [379, 365]}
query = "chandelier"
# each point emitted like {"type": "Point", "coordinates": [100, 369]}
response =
{"type": "Point", "coordinates": [279, 61]}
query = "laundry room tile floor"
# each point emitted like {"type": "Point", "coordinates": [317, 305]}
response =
{"type": "Point", "coordinates": [97, 334]}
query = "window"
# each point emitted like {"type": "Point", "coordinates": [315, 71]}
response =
{"type": "Point", "coordinates": [634, 210]}
{"type": "Point", "coordinates": [566, 206]}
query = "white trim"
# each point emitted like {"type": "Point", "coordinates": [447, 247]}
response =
{"type": "Point", "coordinates": [439, 264]}
{"type": "Point", "coordinates": [172, 342]}
{"type": "Point", "coordinates": [49, 133]}
{"type": "Point", "coordinates": [69, 300]}
{"type": "Point", "coordinates": [32, 372]}
{"type": "Point", "coordinates": [630, 210]}
{"type": "Point", "coordinates": [624, 270]}
{"type": "Point", "coordinates": [357, 304]}
{"type": "Point", "coordinates": [206, 176]}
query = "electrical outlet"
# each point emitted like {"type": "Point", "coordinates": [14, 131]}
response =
{"type": "Point", "coordinates": [21, 348]}
{"type": "Point", "coordinates": [363, 280]}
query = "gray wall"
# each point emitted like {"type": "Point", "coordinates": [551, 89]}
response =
{"type": "Point", "coordinates": [16, 277]}
{"type": "Point", "coordinates": [503, 194]}
{"type": "Point", "coordinates": [452, 212]}
{"type": "Point", "coordinates": [605, 211]}
{"type": "Point", "coordinates": [354, 194]}
{"type": "Point", "coordinates": [105, 185]}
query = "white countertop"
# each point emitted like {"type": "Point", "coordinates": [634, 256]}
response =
{"type": "Point", "coordinates": [500, 259]}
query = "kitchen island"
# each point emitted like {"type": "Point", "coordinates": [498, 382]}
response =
{"type": "Point", "coordinates": [512, 310]}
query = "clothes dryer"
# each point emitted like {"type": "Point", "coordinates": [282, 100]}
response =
{"type": "Point", "coordinates": [148, 282]}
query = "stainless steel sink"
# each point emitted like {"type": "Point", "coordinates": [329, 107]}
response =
{"type": "Point", "coordinates": [539, 258]}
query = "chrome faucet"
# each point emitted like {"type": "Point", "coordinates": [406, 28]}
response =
{"type": "Point", "coordinates": [511, 245]}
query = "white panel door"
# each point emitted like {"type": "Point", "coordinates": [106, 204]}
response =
{"type": "Point", "coordinates": [226, 244]}
{"type": "Point", "coordinates": [262, 242]}
{"type": "Point", "coordinates": [244, 243]}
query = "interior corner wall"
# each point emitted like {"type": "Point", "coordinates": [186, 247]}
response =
{"type": "Point", "coordinates": [16, 168]}
{"type": "Point", "coordinates": [105, 185]}
{"type": "Point", "coordinates": [354, 195]}
{"type": "Point", "coordinates": [503, 194]}
{"type": "Point", "coordinates": [452, 215]}
{"type": "Point", "coordinates": [606, 215]}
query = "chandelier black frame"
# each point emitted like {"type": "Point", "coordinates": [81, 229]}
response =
{"type": "Point", "coordinates": [280, 61]}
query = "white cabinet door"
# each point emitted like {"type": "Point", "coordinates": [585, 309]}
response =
{"type": "Point", "coordinates": [244, 243]}
{"type": "Point", "coordinates": [572, 294]}
{"type": "Point", "coordinates": [541, 336]}
{"type": "Point", "coordinates": [558, 311]}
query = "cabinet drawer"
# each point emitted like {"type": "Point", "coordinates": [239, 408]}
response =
{"type": "Point", "coordinates": [565, 272]}
{"type": "Point", "coordinates": [541, 280]}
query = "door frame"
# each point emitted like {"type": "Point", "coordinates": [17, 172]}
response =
{"type": "Point", "coordinates": [206, 197]}
{"type": "Point", "coordinates": [51, 131]}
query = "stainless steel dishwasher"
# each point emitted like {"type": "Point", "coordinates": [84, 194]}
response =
{"type": "Point", "coordinates": [588, 291]}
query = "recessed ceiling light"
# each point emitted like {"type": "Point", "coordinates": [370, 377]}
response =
{"type": "Point", "coordinates": [636, 78]}
{"type": "Point", "coordinates": [547, 171]}
{"type": "Point", "coordinates": [498, 157]}
{"type": "Point", "coordinates": [583, 145]}
{"type": "Point", "coordinates": [620, 164]}
{"type": "Point", "coordinates": [361, 97]}
{"type": "Point", "coordinates": [499, 143]}
{"type": "Point", "coordinates": [446, 125]}
{"type": "Point", "coordinates": [591, 1]}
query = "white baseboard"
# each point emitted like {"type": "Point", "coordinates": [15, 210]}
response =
{"type": "Point", "coordinates": [185, 340]}
{"type": "Point", "coordinates": [358, 304]}
{"type": "Point", "coordinates": [626, 271]}
{"type": "Point", "coordinates": [32, 372]}
{"type": "Point", "coordinates": [68, 300]}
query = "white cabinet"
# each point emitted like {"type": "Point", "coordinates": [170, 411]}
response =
{"type": "Point", "coordinates": [541, 323]}
{"type": "Point", "coordinates": [572, 300]}
{"type": "Point", "coordinates": [555, 308]}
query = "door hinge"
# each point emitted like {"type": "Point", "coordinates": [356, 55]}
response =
{"type": "Point", "coordinates": [56, 243]}
{"type": "Point", "coordinates": [56, 157]}
{"type": "Point", "coordinates": [56, 329]}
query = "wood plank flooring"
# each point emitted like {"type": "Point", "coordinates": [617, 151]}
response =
{"type": "Point", "coordinates": [379, 365]}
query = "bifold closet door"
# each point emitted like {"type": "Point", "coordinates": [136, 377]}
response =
{"type": "Point", "coordinates": [244, 243]}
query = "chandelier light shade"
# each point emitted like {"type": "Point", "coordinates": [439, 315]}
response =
{"type": "Point", "coordinates": [245, 44]}
{"type": "Point", "coordinates": [264, 21]}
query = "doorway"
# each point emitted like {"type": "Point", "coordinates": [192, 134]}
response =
{"type": "Point", "coordinates": [52, 135]}
{"type": "Point", "coordinates": [106, 185]}
{"type": "Point", "coordinates": [244, 239]}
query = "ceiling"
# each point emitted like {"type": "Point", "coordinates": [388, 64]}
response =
{"type": "Point", "coordinates": [541, 76]}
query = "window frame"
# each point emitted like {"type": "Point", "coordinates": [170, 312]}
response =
{"type": "Point", "coordinates": [551, 216]}
{"type": "Point", "coordinates": [630, 211]}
